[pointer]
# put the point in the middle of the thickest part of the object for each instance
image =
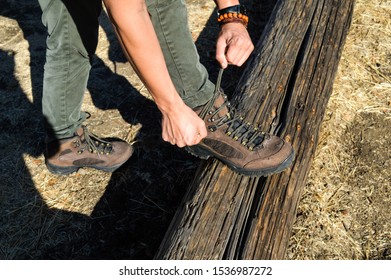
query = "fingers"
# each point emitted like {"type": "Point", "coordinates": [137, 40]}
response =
{"type": "Point", "coordinates": [233, 46]}
{"type": "Point", "coordinates": [183, 127]}
{"type": "Point", "coordinates": [221, 46]}
{"type": "Point", "coordinates": [238, 53]}
{"type": "Point", "coordinates": [190, 139]}
{"type": "Point", "coordinates": [182, 143]}
{"type": "Point", "coordinates": [234, 53]}
{"type": "Point", "coordinates": [195, 138]}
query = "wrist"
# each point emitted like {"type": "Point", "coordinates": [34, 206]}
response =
{"type": "Point", "coordinates": [169, 103]}
{"type": "Point", "coordinates": [233, 14]}
{"type": "Point", "coordinates": [221, 4]}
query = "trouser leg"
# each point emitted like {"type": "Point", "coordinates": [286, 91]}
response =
{"type": "Point", "coordinates": [190, 77]}
{"type": "Point", "coordinates": [72, 28]}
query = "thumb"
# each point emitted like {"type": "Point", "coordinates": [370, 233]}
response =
{"type": "Point", "coordinates": [221, 46]}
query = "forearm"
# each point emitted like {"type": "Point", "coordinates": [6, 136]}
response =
{"type": "Point", "coordinates": [136, 33]}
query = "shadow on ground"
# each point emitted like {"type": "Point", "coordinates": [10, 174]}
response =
{"type": "Point", "coordinates": [131, 217]}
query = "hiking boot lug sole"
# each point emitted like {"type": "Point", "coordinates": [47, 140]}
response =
{"type": "Point", "coordinates": [66, 170]}
{"type": "Point", "coordinates": [61, 170]}
{"type": "Point", "coordinates": [198, 152]}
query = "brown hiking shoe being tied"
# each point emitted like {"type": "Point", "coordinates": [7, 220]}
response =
{"type": "Point", "coordinates": [239, 145]}
{"type": "Point", "coordinates": [86, 150]}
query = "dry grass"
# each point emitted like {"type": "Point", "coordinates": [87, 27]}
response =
{"type": "Point", "coordinates": [91, 214]}
{"type": "Point", "coordinates": [342, 213]}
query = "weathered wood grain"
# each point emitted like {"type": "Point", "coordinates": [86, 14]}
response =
{"type": "Point", "coordinates": [285, 89]}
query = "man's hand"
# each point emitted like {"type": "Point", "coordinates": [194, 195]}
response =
{"type": "Point", "coordinates": [181, 126]}
{"type": "Point", "coordinates": [234, 45]}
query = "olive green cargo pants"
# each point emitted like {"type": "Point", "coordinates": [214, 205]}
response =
{"type": "Point", "coordinates": [72, 39]}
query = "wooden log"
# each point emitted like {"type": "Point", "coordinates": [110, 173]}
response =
{"type": "Point", "coordinates": [285, 89]}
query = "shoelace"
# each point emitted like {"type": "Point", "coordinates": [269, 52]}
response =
{"type": "Point", "coordinates": [93, 144]}
{"type": "Point", "coordinates": [247, 134]}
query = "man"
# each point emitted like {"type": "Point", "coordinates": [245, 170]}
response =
{"type": "Point", "coordinates": [157, 42]}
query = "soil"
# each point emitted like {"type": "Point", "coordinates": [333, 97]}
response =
{"type": "Point", "coordinates": [344, 210]}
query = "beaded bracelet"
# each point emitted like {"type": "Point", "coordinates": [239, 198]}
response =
{"type": "Point", "coordinates": [235, 13]}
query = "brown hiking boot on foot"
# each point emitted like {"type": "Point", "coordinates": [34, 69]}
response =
{"type": "Point", "coordinates": [239, 145]}
{"type": "Point", "coordinates": [86, 150]}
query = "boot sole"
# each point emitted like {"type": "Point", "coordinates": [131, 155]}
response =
{"type": "Point", "coordinates": [205, 154]}
{"type": "Point", "coordinates": [66, 170]}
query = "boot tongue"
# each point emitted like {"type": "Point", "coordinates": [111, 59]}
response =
{"type": "Point", "coordinates": [219, 105]}
{"type": "Point", "coordinates": [80, 132]}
